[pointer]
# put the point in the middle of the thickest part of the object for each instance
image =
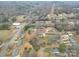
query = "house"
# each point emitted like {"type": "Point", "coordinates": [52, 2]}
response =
{"type": "Point", "coordinates": [70, 25]}
{"type": "Point", "coordinates": [71, 15]}
{"type": "Point", "coordinates": [42, 31]}
{"type": "Point", "coordinates": [16, 25]}
{"type": "Point", "coordinates": [65, 39]}
{"type": "Point", "coordinates": [42, 22]}
{"type": "Point", "coordinates": [69, 33]}
{"type": "Point", "coordinates": [55, 50]}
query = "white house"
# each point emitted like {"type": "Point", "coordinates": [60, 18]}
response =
{"type": "Point", "coordinates": [16, 25]}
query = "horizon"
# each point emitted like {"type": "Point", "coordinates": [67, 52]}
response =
{"type": "Point", "coordinates": [39, 0]}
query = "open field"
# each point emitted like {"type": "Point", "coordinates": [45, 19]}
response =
{"type": "Point", "coordinates": [4, 35]}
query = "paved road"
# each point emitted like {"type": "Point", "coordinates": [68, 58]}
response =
{"type": "Point", "coordinates": [15, 52]}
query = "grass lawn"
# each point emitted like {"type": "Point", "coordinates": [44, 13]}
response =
{"type": "Point", "coordinates": [4, 35]}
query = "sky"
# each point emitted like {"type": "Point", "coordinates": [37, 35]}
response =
{"type": "Point", "coordinates": [39, 0]}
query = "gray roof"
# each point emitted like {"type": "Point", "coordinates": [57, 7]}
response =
{"type": "Point", "coordinates": [55, 50]}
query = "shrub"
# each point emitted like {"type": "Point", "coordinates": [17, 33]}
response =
{"type": "Point", "coordinates": [62, 47]}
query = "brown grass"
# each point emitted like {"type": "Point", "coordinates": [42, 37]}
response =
{"type": "Point", "coordinates": [4, 35]}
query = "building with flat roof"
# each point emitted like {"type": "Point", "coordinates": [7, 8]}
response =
{"type": "Point", "coordinates": [16, 25]}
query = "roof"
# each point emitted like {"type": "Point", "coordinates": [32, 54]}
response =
{"type": "Point", "coordinates": [70, 34]}
{"type": "Point", "coordinates": [42, 30]}
{"type": "Point", "coordinates": [65, 37]}
{"type": "Point", "coordinates": [16, 23]}
{"type": "Point", "coordinates": [56, 50]}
